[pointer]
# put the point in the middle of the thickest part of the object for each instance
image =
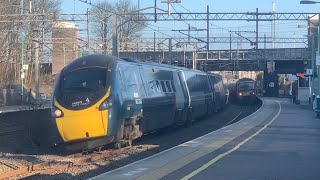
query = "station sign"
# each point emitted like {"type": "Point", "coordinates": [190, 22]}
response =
{"type": "Point", "coordinates": [271, 84]}
{"type": "Point", "coordinates": [25, 67]}
{"type": "Point", "coordinates": [308, 72]}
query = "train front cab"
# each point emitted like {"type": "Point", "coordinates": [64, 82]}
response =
{"type": "Point", "coordinates": [246, 92]}
{"type": "Point", "coordinates": [81, 105]}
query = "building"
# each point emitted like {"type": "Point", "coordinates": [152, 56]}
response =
{"type": "Point", "coordinates": [64, 45]}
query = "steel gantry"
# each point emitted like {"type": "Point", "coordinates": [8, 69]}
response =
{"type": "Point", "coordinates": [247, 16]}
{"type": "Point", "coordinates": [206, 17]}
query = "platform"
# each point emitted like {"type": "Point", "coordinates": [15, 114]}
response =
{"type": "Point", "coordinates": [17, 108]}
{"type": "Point", "coordinates": [279, 141]}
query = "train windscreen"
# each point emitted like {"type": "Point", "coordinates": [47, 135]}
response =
{"type": "Point", "coordinates": [82, 88]}
{"type": "Point", "coordinates": [84, 80]}
{"type": "Point", "coordinates": [245, 86]}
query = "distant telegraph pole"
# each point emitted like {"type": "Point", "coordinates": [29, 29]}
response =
{"type": "Point", "coordinates": [114, 35]}
{"type": "Point", "coordinates": [273, 25]}
{"type": "Point", "coordinates": [208, 43]}
{"type": "Point", "coordinates": [36, 68]}
{"type": "Point", "coordinates": [170, 50]}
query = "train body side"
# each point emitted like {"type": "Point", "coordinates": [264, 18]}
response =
{"type": "Point", "coordinates": [156, 91]}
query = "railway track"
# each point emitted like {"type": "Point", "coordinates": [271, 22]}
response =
{"type": "Point", "coordinates": [63, 163]}
{"type": "Point", "coordinates": [245, 111]}
{"type": "Point", "coordinates": [75, 160]}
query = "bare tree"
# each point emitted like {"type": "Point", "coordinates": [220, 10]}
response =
{"type": "Point", "coordinates": [130, 24]}
{"type": "Point", "coordinates": [20, 27]}
{"type": "Point", "coordinates": [102, 26]}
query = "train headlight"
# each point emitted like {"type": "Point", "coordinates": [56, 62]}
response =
{"type": "Point", "coordinates": [56, 112]}
{"type": "Point", "coordinates": [107, 104]}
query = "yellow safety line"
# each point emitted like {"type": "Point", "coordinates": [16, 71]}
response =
{"type": "Point", "coordinates": [212, 161]}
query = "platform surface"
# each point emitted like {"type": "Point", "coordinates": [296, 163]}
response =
{"type": "Point", "coordinates": [18, 108]}
{"type": "Point", "coordinates": [279, 141]}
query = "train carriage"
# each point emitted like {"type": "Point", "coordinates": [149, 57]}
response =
{"type": "Point", "coordinates": [100, 99]}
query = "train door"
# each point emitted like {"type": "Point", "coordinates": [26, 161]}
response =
{"type": "Point", "coordinates": [186, 94]}
{"type": "Point", "coordinates": [149, 88]}
{"type": "Point", "coordinates": [215, 91]}
{"type": "Point", "coordinates": [180, 97]}
{"type": "Point", "coordinates": [134, 90]}
{"type": "Point", "coordinates": [219, 96]}
{"type": "Point", "coordinates": [211, 89]}
{"type": "Point", "coordinates": [185, 89]}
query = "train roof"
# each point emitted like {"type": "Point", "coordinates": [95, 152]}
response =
{"type": "Point", "coordinates": [104, 60]}
{"type": "Point", "coordinates": [138, 61]}
{"type": "Point", "coordinates": [100, 60]}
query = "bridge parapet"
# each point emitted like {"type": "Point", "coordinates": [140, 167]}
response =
{"type": "Point", "coordinates": [234, 60]}
{"type": "Point", "coordinates": [300, 54]}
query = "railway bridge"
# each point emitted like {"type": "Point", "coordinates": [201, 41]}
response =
{"type": "Point", "coordinates": [287, 60]}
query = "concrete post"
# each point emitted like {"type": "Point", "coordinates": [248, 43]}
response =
{"type": "Point", "coordinates": [36, 69]}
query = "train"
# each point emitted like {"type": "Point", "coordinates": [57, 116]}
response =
{"type": "Point", "coordinates": [101, 99]}
{"type": "Point", "coordinates": [243, 90]}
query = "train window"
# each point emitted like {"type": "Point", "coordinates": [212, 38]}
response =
{"type": "Point", "coordinates": [132, 79]}
{"type": "Point", "coordinates": [158, 86]}
{"type": "Point", "coordinates": [163, 86]}
{"type": "Point", "coordinates": [244, 86]}
{"type": "Point", "coordinates": [173, 87]}
{"type": "Point", "coordinates": [123, 88]}
{"type": "Point", "coordinates": [153, 86]}
{"type": "Point", "coordinates": [168, 86]}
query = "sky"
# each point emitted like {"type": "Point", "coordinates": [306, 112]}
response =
{"type": "Point", "coordinates": [218, 28]}
{"type": "Point", "coordinates": [215, 5]}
